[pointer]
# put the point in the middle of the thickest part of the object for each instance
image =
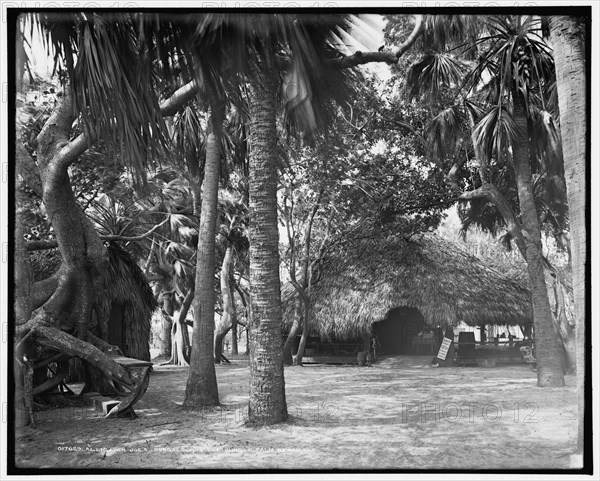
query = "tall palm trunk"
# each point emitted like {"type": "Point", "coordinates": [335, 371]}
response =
{"type": "Point", "coordinates": [569, 59]}
{"type": "Point", "coordinates": [201, 389]}
{"type": "Point", "coordinates": [267, 387]}
{"type": "Point", "coordinates": [548, 354]}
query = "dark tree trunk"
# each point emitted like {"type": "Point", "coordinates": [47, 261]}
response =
{"type": "Point", "coordinates": [548, 354]}
{"type": "Point", "coordinates": [201, 389]}
{"type": "Point", "coordinates": [267, 386]}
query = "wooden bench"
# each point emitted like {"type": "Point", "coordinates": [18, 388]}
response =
{"type": "Point", "coordinates": [140, 373]}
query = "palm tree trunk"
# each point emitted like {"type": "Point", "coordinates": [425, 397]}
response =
{"type": "Point", "coordinates": [267, 386]}
{"type": "Point", "coordinates": [201, 389]}
{"type": "Point", "coordinates": [569, 59]}
{"type": "Point", "coordinates": [548, 354]}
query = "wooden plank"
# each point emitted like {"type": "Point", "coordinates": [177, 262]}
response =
{"type": "Point", "coordinates": [130, 361]}
{"type": "Point", "coordinates": [101, 403]}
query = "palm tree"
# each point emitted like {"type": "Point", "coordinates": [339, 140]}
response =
{"type": "Point", "coordinates": [520, 66]}
{"type": "Point", "coordinates": [264, 48]}
{"type": "Point", "coordinates": [567, 35]}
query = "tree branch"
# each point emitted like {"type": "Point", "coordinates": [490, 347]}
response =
{"type": "Point", "coordinates": [51, 244]}
{"type": "Point", "coordinates": [170, 106]}
{"type": "Point", "coordinates": [361, 58]}
{"type": "Point", "coordinates": [72, 150]}
{"type": "Point", "coordinates": [42, 291]}
{"type": "Point", "coordinates": [133, 238]}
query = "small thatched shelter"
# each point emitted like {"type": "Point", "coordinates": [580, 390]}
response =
{"type": "Point", "coordinates": [424, 282]}
{"type": "Point", "coordinates": [122, 309]}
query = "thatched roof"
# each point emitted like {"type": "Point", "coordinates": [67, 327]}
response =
{"type": "Point", "coordinates": [123, 282]}
{"type": "Point", "coordinates": [435, 276]}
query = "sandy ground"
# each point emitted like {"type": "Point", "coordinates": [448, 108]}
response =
{"type": "Point", "coordinates": [399, 413]}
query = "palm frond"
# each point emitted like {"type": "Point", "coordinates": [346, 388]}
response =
{"type": "Point", "coordinates": [444, 132]}
{"type": "Point", "coordinates": [189, 140]}
{"type": "Point", "coordinates": [545, 143]}
{"type": "Point", "coordinates": [113, 91]}
{"type": "Point", "coordinates": [495, 133]}
{"type": "Point", "coordinates": [432, 73]}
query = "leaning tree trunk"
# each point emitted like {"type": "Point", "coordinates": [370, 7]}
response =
{"type": "Point", "coordinates": [548, 354]}
{"type": "Point", "coordinates": [201, 389]}
{"type": "Point", "coordinates": [569, 59]}
{"type": "Point", "coordinates": [267, 386]}
{"type": "Point", "coordinates": [234, 320]}
{"type": "Point", "coordinates": [61, 317]}
{"type": "Point", "coordinates": [226, 319]}
{"type": "Point", "coordinates": [305, 329]}
{"type": "Point", "coordinates": [164, 291]}
{"type": "Point", "coordinates": [180, 340]}
{"type": "Point", "coordinates": [288, 346]}
{"type": "Point", "coordinates": [84, 257]}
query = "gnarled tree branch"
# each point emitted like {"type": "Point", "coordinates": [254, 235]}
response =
{"type": "Point", "coordinates": [72, 150]}
{"type": "Point", "coordinates": [361, 58]}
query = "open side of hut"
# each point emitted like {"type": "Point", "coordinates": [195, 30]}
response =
{"type": "Point", "coordinates": [122, 309]}
{"type": "Point", "coordinates": [396, 287]}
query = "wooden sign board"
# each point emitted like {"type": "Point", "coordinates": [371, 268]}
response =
{"type": "Point", "coordinates": [444, 349]}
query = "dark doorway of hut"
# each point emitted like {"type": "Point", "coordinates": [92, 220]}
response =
{"type": "Point", "coordinates": [403, 332]}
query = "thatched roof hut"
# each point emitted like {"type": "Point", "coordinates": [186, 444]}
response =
{"type": "Point", "coordinates": [437, 277]}
{"type": "Point", "coordinates": [122, 308]}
